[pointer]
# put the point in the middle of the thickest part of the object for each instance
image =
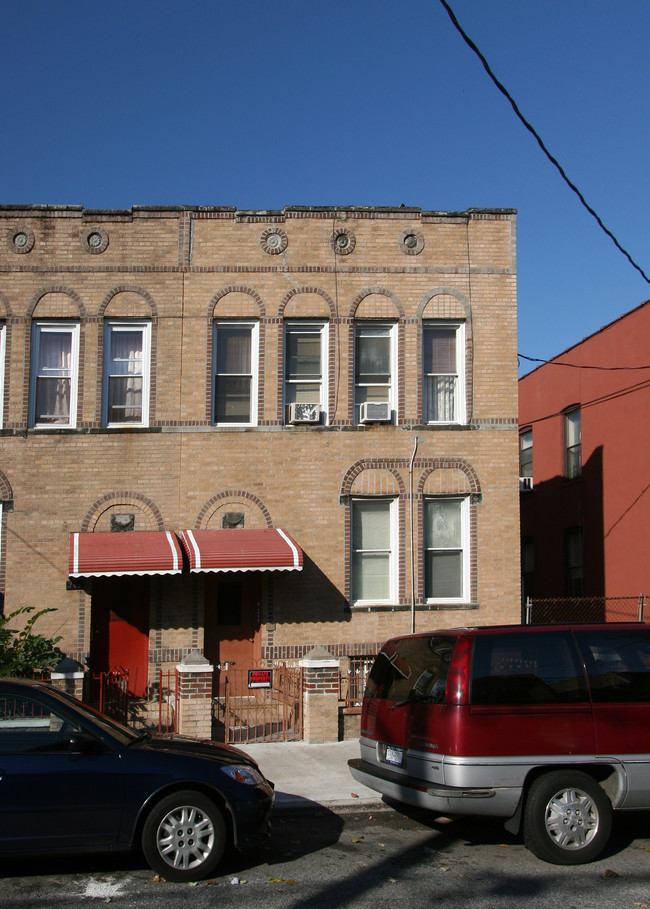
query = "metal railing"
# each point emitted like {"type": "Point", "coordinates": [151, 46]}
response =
{"type": "Point", "coordinates": [352, 683]}
{"type": "Point", "coordinates": [582, 610]}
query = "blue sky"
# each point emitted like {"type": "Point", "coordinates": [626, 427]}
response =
{"type": "Point", "coordinates": [369, 102]}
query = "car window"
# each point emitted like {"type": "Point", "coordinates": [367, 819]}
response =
{"type": "Point", "coordinates": [618, 663]}
{"type": "Point", "coordinates": [412, 668]}
{"type": "Point", "coordinates": [529, 668]}
{"type": "Point", "coordinates": [28, 725]}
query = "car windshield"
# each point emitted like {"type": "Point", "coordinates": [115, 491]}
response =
{"type": "Point", "coordinates": [412, 669]}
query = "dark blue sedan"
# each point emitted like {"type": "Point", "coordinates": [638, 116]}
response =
{"type": "Point", "coordinates": [72, 780]}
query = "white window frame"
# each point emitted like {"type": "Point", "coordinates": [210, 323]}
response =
{"type": "Point", "coordinates": [572, 449]}
{"type": "Point", "coordinates": [465, 549]}
{"type": "Point", "coordinates": [460, 415]}
{"type": "Point", "coordinates": [393, 568]}
{"type": "Point", "coordinates": [3, 349]}
{"type": "Point", "coordinates": [254, 327]}
{"type": "Point", "coordinates": [118, 325]}
{"type": "Point", "coordinates": [312, 327]}
{"type": "Point", "coordinates": [526, 445]}
{"type": "Point", "coordinates": [391, 392]}
{"type": "Point", "coordinates": [38, 329]}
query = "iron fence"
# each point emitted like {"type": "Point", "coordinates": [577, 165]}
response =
{"type": "Point", "coordinates": [352, 683]}
{"type": "Point", "coordinates": [583, 610]}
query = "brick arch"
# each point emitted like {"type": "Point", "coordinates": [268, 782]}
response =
{"type": "Point", "coordinates": [79, 307]}
{"type": "Point", "coordinates": [112, 500]}
{"type": "Point", "coordinates": [130, 289]}
{"type": "Point", "coordinates": [463, 308]}
{"type": "Point", "coordinates": [236, 289]}
{"type": "Point", "coordinates": [6, 311]}
{"type": "Point", "coordinates": [350, 486]}
{"type": "Point", "coordinates": [6, 492]}
{"type": "Point", "coordinates": [380, 292]}
{"type": "Point", "coordinates": [232, 496]}
{"type": "Point", "coordinates": [458, 472]}
{"type": "Point", "coordinates": [331, 305]}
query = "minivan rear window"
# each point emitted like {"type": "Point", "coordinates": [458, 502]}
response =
{"type": "Point", "coordinates": [618, 664]}
{"type": "Point", "coordinates": [527, 668]}
{"type": "Point", "coordinates": [412, 669]}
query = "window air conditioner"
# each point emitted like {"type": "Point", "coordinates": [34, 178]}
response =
{"type": "Point", "coordinates": [375, 412]}
{"type": "Point", "coordinates": [525, 484]}
{"type": "Point", "coordinates": [304, 413]}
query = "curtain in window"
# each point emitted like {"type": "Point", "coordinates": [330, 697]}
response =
{"type": "Point", "coordinates": [233, 378]}
{"type": "Point", "coordinates": [371, 550]}
{"type": "Point", "coordinates": [53, 377]}
{"type": "Point", "coordinates": [444, 554]}
{"type": "Point", "coordinates": [441, 377]}
{"type": "Point", "coordinates": [125, 377]}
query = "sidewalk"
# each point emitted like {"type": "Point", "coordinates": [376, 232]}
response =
{"type": "Point", "coordinates": [305, 775]}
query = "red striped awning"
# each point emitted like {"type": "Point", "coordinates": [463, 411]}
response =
{"type": "Point", "coordinates": [96, 555]}
{"type": "Point", "coordinates": [241, 550]}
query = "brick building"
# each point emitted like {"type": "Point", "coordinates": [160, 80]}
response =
{"type": "Point", "coordinates": [584, 503]}
{"type": "Point", "coordinates": [248, 433]}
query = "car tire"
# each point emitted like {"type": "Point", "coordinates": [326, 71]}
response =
{"type": "Point", "coordinates": [567, 818]}
{"type": "Point", "coordinates": [184, 836]}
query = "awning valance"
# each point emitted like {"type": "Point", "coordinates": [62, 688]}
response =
{"type": "Point", "coordinates": [116, 554]}
{"type": "Point", "coordinates": [270, 549]}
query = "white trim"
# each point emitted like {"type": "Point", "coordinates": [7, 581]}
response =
{"type": "Point", "coordinates": [54, 327]}
{"type": "Point", "coordinates": [3, 348]}
{"type": "Point", "coordinates": [254, 326]}
{"type": "Point", "coordinates": [392, 395]}
{"type": "Point", "coordinates": [465, 547]}
{"type": "Point", "coordinates": [117, 325]}
{"type": "Point", "coordinates": [195, 546]}
{"type": "Point", "coordinates": [311, 325]}
{"type": "Point", "coordinates": [393, 551]}
{"type": "Point", "coordinates": [294, 549]}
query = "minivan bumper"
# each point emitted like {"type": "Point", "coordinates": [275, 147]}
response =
{"type": "Point", "coordinates": [491, 802]}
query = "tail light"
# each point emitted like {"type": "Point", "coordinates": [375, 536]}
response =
{"type": "Point", "coordinates": [458, 679]}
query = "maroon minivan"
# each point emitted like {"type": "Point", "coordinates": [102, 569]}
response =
{"type": "Point", "coordinates": [545, 726]}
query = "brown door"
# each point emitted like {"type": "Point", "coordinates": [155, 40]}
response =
{"type": "Point", "coordinates": [120, 629]}
{"type": "Point", "coordinates": [232, 620]}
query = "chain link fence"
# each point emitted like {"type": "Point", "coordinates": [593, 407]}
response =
{"type": "Point", "coordinates": [582, 610]}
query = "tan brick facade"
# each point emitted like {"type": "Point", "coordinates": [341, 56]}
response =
{"type": "Point", "coordinates": [178, 271]}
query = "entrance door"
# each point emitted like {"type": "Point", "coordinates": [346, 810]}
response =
{"type": "Point", "coordinates": [120, 629]}
{"type": "Point", "coordinates": [232, 620]}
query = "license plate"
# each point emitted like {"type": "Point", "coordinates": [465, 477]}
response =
{"type": "Point", "coordinates": [394, 755]}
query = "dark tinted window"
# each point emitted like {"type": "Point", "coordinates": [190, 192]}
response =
{"type": "Point", "coordinates": [412, 668]}
{"type": "Point", "coordinates": [537, 668]}
{"type": "Point", "coordinates": [618, 664]}
{"type": "Point", "coordinates": [27, 725]}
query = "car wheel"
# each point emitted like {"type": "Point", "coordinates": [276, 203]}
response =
{"type": "Point", "coordinates": [567, 818]}
{"type": "Point", "coordinates": [184, 836]}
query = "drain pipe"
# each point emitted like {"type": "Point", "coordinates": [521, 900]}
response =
{"type": "Point", "coordinates": [415, 448]}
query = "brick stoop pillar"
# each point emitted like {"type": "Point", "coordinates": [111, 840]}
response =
{"type": "Point", "coordinates": [195, 696]}
{"type": "Point", "coordinates": [68, 676]}
{"type": "Point", "coordinates": [320, 699]}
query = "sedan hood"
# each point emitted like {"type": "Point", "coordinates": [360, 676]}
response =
{"type": "Point", "coordinates": [179, 744]}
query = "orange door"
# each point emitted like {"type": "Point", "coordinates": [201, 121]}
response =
{"type": "Point", "coordinates": [232, 620]}
{"type": "Point", "coordinates": [120, 629]}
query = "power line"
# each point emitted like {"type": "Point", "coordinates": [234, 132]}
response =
{"type": "Point", "coordinates": [538, 138]}
{"type": "Point", "coordinates": [556, 362]}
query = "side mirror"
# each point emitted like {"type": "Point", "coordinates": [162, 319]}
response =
{"type": "Point", "coordinates": [85, 743]}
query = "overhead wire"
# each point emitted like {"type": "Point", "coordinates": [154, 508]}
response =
{"type": "Point", "coordinates": [539, 140]}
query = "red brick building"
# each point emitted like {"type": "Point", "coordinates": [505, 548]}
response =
{"type": "Point", "coordinates": [585, 504]}
{"type": "Point", "coordinates": [248, 433]}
